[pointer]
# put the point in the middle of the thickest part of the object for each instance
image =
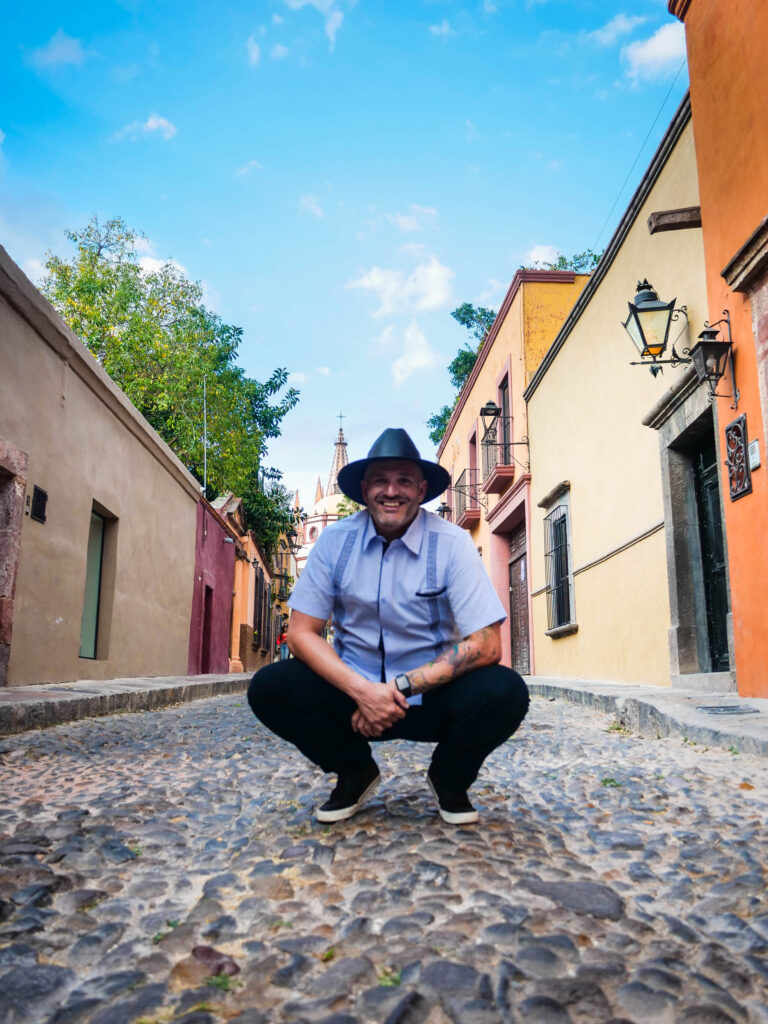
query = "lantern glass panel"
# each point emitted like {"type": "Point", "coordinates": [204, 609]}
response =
{"type": "Point", "coordinates": [632, 328]}
{"type": "Point", "coordinates": [655, 325]}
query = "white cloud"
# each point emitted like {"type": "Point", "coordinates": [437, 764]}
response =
{"type": "Point", "coordinates": [153, 265]}
{"type": "Point", "coordinates": [411, 221]}
{"type": "Point", "coordinates": [386, 341]}
{"type": "Point", "coordinates": [443, 30]}
{"type": "Point", "coordinates": [276, 19]}
{"type": "Point", "coordinates": [657, 57]}
{"type": "Point", "coordinates": [621, 25]}
{"type": "Point", "coordinates": [493, 292]}
{"type": "Point", "coordinates": [490, 7]}
{"type": "Point", "coordinates": [428, 286]}
{"type": "Point", "coordinates": [254, 51]}
{"type": "Point", "coordinates": [329, 8]}
{"type": "Point", "coordinates": [296, 378]}
{"type": "Point", "coordinates": [417, 354]}
{"type": "Point", "coordinates": [324, 371]}
{"type": "Point", "coordinates": [311, 203]}
{"type": "Point", "coordinates": [278, 51]}
{"type": "Point", "coordinates": [143, 244]}
{"type": "Point", "coordinates": [60, 49]}
{"type": "Point", "coordinates": [154, 123]}
{"type": "Point", "coordinates": [541, 254]}
{"type": "Point", "coordinates": [34, 269]}
{"type": "Point", "coordinates": [252, 165]}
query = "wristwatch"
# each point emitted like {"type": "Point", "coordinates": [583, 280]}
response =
{"type": "Point", "coordinates": [403, 683]}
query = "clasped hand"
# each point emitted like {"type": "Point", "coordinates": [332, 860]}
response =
{"type": "Point", "coordinates": [378, 707]}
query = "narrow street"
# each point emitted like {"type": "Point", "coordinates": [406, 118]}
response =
{"type": "Point", "coordinates": [611, 878]}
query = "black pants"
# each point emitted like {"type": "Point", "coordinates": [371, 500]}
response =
{"type": "Point", "coordinates": [467, 718]}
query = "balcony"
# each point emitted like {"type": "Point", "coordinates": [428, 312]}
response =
{"type": "Point", "coordinates": [498, 463]}
{"type": "Point", "coordinates": [467, 505]}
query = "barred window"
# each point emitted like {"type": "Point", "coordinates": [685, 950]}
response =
{"type": "Point", "coordinates": [558, 568]}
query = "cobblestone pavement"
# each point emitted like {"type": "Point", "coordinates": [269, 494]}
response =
{"type": "Point", "coordinates": [166, 866]}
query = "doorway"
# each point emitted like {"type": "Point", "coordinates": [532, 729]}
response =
{"type": "Point", "coordinates": [518, 601]}
{"type": "Point", "coordinates": [707, 488]}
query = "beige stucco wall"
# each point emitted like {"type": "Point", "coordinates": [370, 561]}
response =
{"type": "Point", "coordinates": [585, 427]}
{"type": "Point", "coordinates": [87, 443]}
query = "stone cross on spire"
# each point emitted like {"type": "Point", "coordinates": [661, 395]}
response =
{"type": "Point", "coordinates": [340, 459]}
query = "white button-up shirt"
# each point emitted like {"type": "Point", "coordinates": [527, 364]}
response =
{"type": "Point", "coordinates": [398, 608]}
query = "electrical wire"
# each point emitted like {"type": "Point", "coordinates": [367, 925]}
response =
{"type": "Point", "coordinates": [639, 153]}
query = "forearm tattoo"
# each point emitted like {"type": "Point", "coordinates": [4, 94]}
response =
{"type": "Point", "coordinates": [470, 653]}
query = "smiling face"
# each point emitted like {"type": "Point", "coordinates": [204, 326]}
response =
{"type": "Point", "coordinates": [392, 490]}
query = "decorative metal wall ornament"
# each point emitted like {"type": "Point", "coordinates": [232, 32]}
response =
{"type": "Point", "coordinates": [648, 325]}
{"type": "Point", "coordinates": [739, 473]}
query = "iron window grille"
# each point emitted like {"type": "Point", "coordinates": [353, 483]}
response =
{"type": "Point", "coordinates": [557, 563]}
{"type": "Point", "coordinates": [466, 491]}
{"type": "Point", "coordinates": [736, 444]}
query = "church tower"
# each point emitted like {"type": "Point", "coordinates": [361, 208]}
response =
{"type": "Point", "coordinates": [340, 460]}
{"type": "Point", "coordinates": [326, 507]}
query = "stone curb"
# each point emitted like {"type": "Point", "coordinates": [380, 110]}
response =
{"type": "Point", "coordinates": [655, 712]}
{"type": "Point", "coordinates": [37, 707]}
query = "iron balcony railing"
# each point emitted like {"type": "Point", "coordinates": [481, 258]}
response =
{"type": "Point", "coordinates": [497, 445]}
{"type": "Point", "coordinates": [465, 490]}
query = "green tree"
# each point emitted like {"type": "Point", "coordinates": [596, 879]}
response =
{"type": "Point", "coordinates": [346, 507]}
{"type": "Point", "coordinates": [580, 263]}
{"type": "Point", "coordinates": [155, 338]}
{"type": "Point", "coordinates": [478, 321]}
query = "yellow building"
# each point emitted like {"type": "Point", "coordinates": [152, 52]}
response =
{"type": "Point", "coordinates": [622, 462]}
{"type": "Point", "coordinates": [488, 461]}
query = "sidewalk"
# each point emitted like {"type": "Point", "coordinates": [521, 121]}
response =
{"type": "Point", "coordinates": [654, 711]}
{"type": "Point", "coordinates": [36, 707]}
{"type": "Point", "coordinates": [729, 721]}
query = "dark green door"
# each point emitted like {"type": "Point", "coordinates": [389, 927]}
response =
{"type": "Point", "coordinates": [712, 550]}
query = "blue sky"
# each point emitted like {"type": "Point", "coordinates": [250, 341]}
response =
{"type": "Point", "coordinates": [338, 174]}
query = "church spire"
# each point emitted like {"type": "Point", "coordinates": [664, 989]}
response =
{"type": "Point", "coordinates": [340, 460]}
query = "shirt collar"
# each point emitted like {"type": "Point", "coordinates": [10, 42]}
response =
{"type": "Point", "coordinates": [411, 538]}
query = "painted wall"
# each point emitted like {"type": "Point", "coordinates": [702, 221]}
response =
{"type": "Point", "coordinates": [585, 426]}
{"type": "Point", "coordinates": [87, 443]}
{"type": "Point", "coordinates": [727, 42]}
{"type": "Point", "coordinates": [214, 571]}
{"type": "Point", "coordinates": [534, 308]}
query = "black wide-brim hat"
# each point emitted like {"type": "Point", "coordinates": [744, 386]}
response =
{"type": "Point", "coordinates": [394, 443]}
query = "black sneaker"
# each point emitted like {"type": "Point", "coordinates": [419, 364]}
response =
{"type": "Point", "coordinates": [453, 804]}
{"type": "Point", "coordinates": [353, 786]}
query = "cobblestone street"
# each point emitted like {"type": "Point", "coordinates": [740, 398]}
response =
{"type": "Point", "coordinates": [166, 866]}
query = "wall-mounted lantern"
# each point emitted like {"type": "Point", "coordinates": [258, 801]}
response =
{"type": "Point", "coordinates": [711, 356]}
{"type": "Point", "coordinates": [490, 414]}
{"type": "Point", "coordinates": [443, 510]}
{"type": "Point", "coordinates": [648, 325]}
{"type": "Point", "coordinates": [292, 537]}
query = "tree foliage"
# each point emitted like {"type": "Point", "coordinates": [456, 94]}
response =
{"type": "Point", "coordinates": [478, 321]}
{"type": "Point", "coordinates": [153, 335]}
{"type": "Point", "coordinates": [580, 263]}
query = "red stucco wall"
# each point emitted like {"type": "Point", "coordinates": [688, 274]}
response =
{"type": "Point", "coordinates": [214, 568]}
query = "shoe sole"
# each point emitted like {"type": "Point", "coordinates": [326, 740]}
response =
{"type": "Point", "coordinates": [346, 812]}
{"type": "Point", "coordinates": [453, 817]}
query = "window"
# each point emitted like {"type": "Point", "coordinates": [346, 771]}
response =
{"type": "Point", "coordinates": [559, 578]}
{"type": "Point", "coordinates": [89, 627]}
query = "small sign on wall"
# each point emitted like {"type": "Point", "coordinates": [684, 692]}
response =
{"type": "Point", "coordinates": [754, 454]}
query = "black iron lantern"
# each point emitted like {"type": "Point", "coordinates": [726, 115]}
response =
{"type": "Point", "coordinates": [292, 537]}
{"type": "Point", "coordinates": [648, 321]}
{"type": "Point", "coordinates": [490, 414]}
{"type": "Point", "coordinates": [443, 510]}
{"type": "Point", "coordinates": [712, 356]}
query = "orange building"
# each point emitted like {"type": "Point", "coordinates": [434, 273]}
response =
{"type": "Point", "coordinates": [727, 43]}
{"type": "Point", "coordinates": [255, 624]}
